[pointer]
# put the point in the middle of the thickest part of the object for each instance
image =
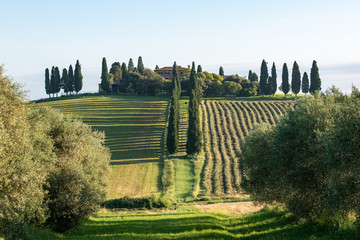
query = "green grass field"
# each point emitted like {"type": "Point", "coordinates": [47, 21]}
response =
{"type": "Point", "coordinates": [134, 128]}
{"type": "Point", "coordinates": [187, 223]}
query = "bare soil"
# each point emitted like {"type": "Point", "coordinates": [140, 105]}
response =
{"type": "Point", "coordinates": [236, 208]}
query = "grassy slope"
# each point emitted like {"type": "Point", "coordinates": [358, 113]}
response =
{"type": "Point", "coordinates": [184, 169]}
{"type": "Point", "coordinates": [134, 133]}
{"type": "Point", "coordinates": [190, 224]}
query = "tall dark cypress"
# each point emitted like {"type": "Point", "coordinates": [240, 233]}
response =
{"type": "Point", "coordinates": [315, 81]}
{"type": "Point", "coordinates": [65, 81]}
{"type": "Point", "coordinates": [57, 81]}
{"type": "Point", "coordinates": [250, 75]}
{"type": "Point", "coordinates": [47, 82]}
{"type": "Point", "coordinates": [71, 79]}
{"type": "Point", "coordinates": [295, 79]}
{"type": "Point", "coordinates": [199, 68]}
{"type": "Point", "coordinates": [131, 66]}
{"type": "Point", "coordinates": [172, 141]}
{"type": "Point", "coordinates": [221, 71]}
{"type": "Point", "coordinates": [273, 81]}
{"type": "Point", "coordinates": [140, 66]}
{"type": "Point", "coordinates": [194, 134]}
{"type": "Point", "coordinates": [156, 67]}
{"type": "Point", "coordinates": [52, 81]}
{"type": "Point", "coordinates": [305, 83]}
{"type": "Point", "coordinates": [78, 78]}
{"type": "Point", "coordinates": [105, 81]}
{"type": "Point", "coordinates": [285, 86]}
{"type": "Point", "coordinates": [264, 75]}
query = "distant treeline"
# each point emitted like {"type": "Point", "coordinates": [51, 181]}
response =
{"type": "Point", "coordinates": [128, 79]}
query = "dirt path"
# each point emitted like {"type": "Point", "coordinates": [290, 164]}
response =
{"type": "Point", "coordinates": [237, 208]}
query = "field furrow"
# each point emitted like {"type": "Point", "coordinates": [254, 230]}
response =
{"type": "Point", "coordinates": [232, 143]}
{"type": "Point", "coordinates": [217, 176]}
{"type": "Point", "coordinates": [225, 124]}
{"type": "Point", "coordinates": [208, 165]}
{"type": "Point", "coordinates": [222, 148]}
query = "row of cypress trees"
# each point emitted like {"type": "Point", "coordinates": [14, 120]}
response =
{"type": "Point", "coordinates": [268, 84]}
{"type": "Point", "coordinates": [194, 134]}
{"type": "Point", "coordinates": [69, 81]}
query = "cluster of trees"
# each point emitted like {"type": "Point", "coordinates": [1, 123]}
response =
{"type": "Point", "coordinates": [172, 141]}
{"type": "Point", "coordinates": [142, 81]}
{"type": "Point", "coordinates": [211, 84]}
{"type": "Point", "coordinates": [130, 79]}
{"type": "Point", "coordinates": [69, 81]}
{"type": "Point", "coordinates": [53, 169]}
{"type": "Point", "coordinates": [310, 160]}
{"type": "Point", "coordinates": [268, 84]}
{"type": "Point", "coordinates": [194, 134]}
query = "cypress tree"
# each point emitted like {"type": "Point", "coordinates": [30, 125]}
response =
{"type": "Point", "coordinates": [285, 87]}
{"type": "Point", "coordinates": [52, 81]}
{"type": "Point", "coordinates": [250, 75]}
{"type": "Point", "coordinates": [199, 68]}
{"type": "Point", "coordinates": [194, 133]}
{"type": "Point", "coordinates": [140, 66]}
{"type": "Point", "coordinates": [47, 82]}
{"type": "Point", "coordinates": [124, 70]}
{"type": "Point", "coordinates": [178, 91]}
{"type": "Point", "coordinates": [156, 67]}
{"type": "Point", "coordinates": [131, 65]}
{"type": "Point", "coordinates": [71, 79]}
{"type": "Point", "coordinates": [105, 80]}
{"type": "Point", "coordinates": [57, 81]}
{"type": "Point", "coordinates": [264, 75]}
{"type": "Point", "coordinates": [305, 83]}
{"type": "Point", "coordinates": [65, 81]}
{"type": "Point", "coordinates": [273, 82]}
{"type": "Point", "coordinates": [78, 78]}
{"type": "Point", "coordinates": [295, 79]}
{"type": "Point", "coordinates": [315, 81]}
{"type": "Point", "coordinates": [221, 71]}
{"type": "Point", "coordinates": [172, 141]}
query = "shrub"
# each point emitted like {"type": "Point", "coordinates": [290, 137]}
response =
{"type": "Point", "coordinates": [150, 202]}
{"type": "Point", "coordinates": [21, 174]}
{"type": "Point", "coordinates": [75, 185]}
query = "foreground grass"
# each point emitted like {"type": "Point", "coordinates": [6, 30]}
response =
{"type": "Point", "coordinates": [189, 224]}
{"type": "Point", "coordinates": [134, 127]}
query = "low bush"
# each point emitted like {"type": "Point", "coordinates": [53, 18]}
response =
{"type": "Point", "coordinates": [150, 202]}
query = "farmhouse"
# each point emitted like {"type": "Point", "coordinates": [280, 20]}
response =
{"type": "Point", "coordinates": [167, 72]}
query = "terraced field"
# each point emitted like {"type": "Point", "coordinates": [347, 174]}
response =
{"type": "Point", "coordinates": [134, 129]}
{"type": "Point", "coordinates": [225, 125]}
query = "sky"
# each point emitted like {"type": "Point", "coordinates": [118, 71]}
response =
{"type": "Point", "coordinates": [235, 34]}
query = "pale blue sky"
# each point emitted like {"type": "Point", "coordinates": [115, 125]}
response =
{"type": "Point", "coordinates": [235, 34]}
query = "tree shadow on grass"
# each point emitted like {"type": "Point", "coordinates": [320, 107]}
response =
{"type": "Point", "coordinates": [262, 225]}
